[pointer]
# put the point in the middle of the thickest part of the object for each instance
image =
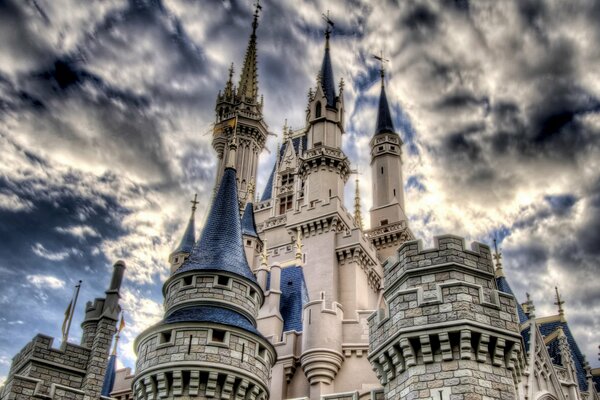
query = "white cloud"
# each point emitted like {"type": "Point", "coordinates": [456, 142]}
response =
{"type": "Point", "coordinates": [41, 251]}
{"type": "Point", "coordinates": [80, 231]}
{"type": "Point", "coordinates": [46, 281]}
{"type": "Point", "coordinates": [12, 202]}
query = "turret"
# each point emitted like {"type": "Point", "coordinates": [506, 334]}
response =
{"type": "Point", "coordinates": [252, 243]}
{"type": "Point", "coordinates": [239, 112]}
{"type": "Point", "coordinates": [182, 252]}
{"type": "Point", "coordinates": [325, 167]}
{"type": "Point", "coordinates": [207, 344]}
{"type": "Point", "coordinates": [387, 213]}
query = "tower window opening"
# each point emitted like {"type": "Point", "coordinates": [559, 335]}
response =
{"type": "Point", "coordinates": [287, 178]}
{"type": "Point", "coordinates": [285, 204]}
{"type": "Point", "coordinates": [188, 280]}
{"type": "Point", "coordinates": [223, 280]}
{"type": "Point", "coordinates": [329, 192]}
{"type": "Point", "coordinates": [394, 192]}
{"type": "Point", "coordinates": [393, 148]}
{"type": "Point", "coordinates": [380, 148]}
{"type": "Point", "coordinates": [218, 336]}
{"type": "Point", "coordinates": [381, 170]}
{"type": "Point", "coordinates": [262, 352]}
{"type": "Point", "coordinates": [383, 222]}
{"type": "Point", "coordinates": [190, 345]}
{"type": "Point", "coordinates": [318, 109]}
{"type": "Point", "coordinates": [165, 337]}
{"type": "Point", "coordinates": [249, 242]}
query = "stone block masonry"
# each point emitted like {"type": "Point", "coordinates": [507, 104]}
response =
{"type": "Point", "coordinates": [447, 332]}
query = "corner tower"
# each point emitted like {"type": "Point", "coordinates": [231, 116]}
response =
{"type": "Point", "coordinates": [182, 252]}
{"type": "Point", "coordinates": [239, 112]}
{"type": "Point", "coordinates": [389, 226]}
{"type": "Point", "coordinates": [207, 344]}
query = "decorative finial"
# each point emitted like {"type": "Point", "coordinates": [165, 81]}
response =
{"type": "Point", "coordinates": [118, 336]}
{"type": "Point", "coordinates": [194, 202]}
{"type": "Point", "coordinates": [559, 302]}
{"type": "Point", "coordinates": [251, 187]}
{"type": "Point", "coordinates": [498, 260]}
{"type": "Point", "coordinates": [257, 9]}
{"type": "Point", "coordinates": [299, 246]}
{"type": "Point", "coordinates": [264, 256]}
{"type": "Point", "coordinates": [530, 307]}
{"type": "Point", "coordinates": [285, 130]}
{"type": "Point", "coordinates": [342, 84]}
{"type": "Point", "coordinates": [233, 145]}
{"type": "Point", "coordinates": [381, 68]}
{"type": "Point", "coordinates": [328, 28]}
{"type": "Point", "coordinates": [357, 213]}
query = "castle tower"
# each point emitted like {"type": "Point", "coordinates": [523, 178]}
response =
{"type": "Point", "coordinates": [238, 109]}
{"type": "Point", "coordinates": [447, 332]}
{"type": "Point", "coordinates": [388, 221]}
{"type": "Point", "coordinates": [182, 252]}
{"type": "Point", "coordinates": [253, 245]}
{"type": "Point", "coordinates": [73, 371]}
{"type": "Point", "coordinates": [324, 168]}
{"type": "Point", "coordinates": [207, 344]}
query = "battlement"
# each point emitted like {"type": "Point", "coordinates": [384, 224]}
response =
{"type": "Point", "coordinates": [448, 249]}
{"type": "Point", "coordinates": [40, 349]}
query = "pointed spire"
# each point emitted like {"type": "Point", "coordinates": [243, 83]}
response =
{"type": "Point", "coordinates": [559, 302]}
{"type": "Point", "coordinates": [248, 222]}
{"type": "Point", "coordinates": [229, 85]}
{"type": "Point", "coordinates": [189, 236]}
{"type": "Point", "coordinates": [285, 131]}
{"type": "Point", "coordinates": [357, 213]}
{"type": "Point", "coordinates": [220, 247]}
{"type": "Point", "coordinates": [498, 260]}
{"type": "Point", "coordinates": [384, 117]}
{"type": "Point", "coordinates": [325, 77]}
{"type": "Point", "coordinates": [248, 87]}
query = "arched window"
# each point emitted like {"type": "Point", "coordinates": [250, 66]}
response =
{"type": "Point", "coordinates": [318, 109]}
{"type": "Point", "coordinates": [381, 170]}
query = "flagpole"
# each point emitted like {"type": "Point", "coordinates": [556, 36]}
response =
{"type": "Point", "coordinates": [66, 338]}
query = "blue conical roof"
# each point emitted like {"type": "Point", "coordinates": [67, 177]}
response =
{"type": "Point", "coordinates": [384, 118]}
{"type": "Point", "coordinates": [326, 77]}
{"type": "Point", "coordinates": [504, 287]}
{"type": "Point", "coordinates": [220, 247]}
{"type": "Point", "coordinates": [248, 223]}
{"type": "Point", "coordinates": [189, 236]}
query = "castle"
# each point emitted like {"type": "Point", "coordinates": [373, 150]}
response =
{"type": "Point", "coordinates": [291, 297]}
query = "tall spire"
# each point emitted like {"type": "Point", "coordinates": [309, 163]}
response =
{"type": "Point", "coordinates": [326, 74]}
{"type": "Point", "coordinates": [357, 213]}
{"type": "Point", "coordinates": [189, 236]}
{"type": "Point", "coordinates": [384, 117]}
{"type": "Point", "coordinates": [248, 87]}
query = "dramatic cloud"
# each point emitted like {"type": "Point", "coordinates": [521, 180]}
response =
{"type": "Point", "coordinates": [105, 135]}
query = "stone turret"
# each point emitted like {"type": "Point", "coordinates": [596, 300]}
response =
{"type": "Point", "coordinates": [207, 344]}
{"type": "Point", "coordinates": [447, 332]}
{"type": "Point", "coordinates": [183, 251]}
{"type": "Point", "coordinates": [389, 226]}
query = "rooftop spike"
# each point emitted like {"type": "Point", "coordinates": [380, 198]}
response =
{"type": "Point", "coordinates": [559, 302]}
{"type": "Point", "coordinates": [326, 79]}
{"type": "Point", "coordinates": [189, 236]}
{"type": "Point", "coordinates": [220, 247]}
{"type": "Point", "coordinates": [497, 256]}
{"type": "Point", "coordinates": [248, 223]}
{"type": "Point", "coordinates": [357, 213]}
{"type": "Point", "coordinates": [384, 117]}
{"type": "Point", "coordinates": [248, 87]}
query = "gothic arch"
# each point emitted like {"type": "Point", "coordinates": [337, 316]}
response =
{"type": "Point", "coordinates": [546, 396]}
{"type": "Point", "coordinates": [318, 110]}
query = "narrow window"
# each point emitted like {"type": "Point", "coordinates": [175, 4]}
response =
{"type": "Point", "coordinates": [190, 345]}
{"type": "Point", "coordinates": [309, 315]}
{"type": "Point", "coordinates": [383, 222]}
{"type": "Point", "coordinates": [380, 148]}
{"type": "Point", "coordinates": [381, 170]}
{"type": "Point", "coordinates": [394, 192]}
{"type": "Point", "coordinates": [249, 242]}
{"type": "Point", "coordinates": [329, 192]}
{"type": "Point", "coordinates": [318, 109]}
{"type": "Point", "coordinates": [165, 337]}
{"type": "Point", "coordinates": [243, 350]}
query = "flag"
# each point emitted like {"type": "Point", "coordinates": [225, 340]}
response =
{"type": "Point", "coordinates": [65, 324]}
{"type": "Point", "coordinates": [122, 324]}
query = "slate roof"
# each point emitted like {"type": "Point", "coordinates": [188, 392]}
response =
{"type": "Point", "coordinates": [326, 78]}
{"type": "Point", "coordinates": [384, 117]}
{"type": "Point", "coordinates": [220, 247]}
{"type": "Point", "coordinates": [294, 295]}
{"type": "Point", "coordinates": [217, 315]}
{"type": "Point", "coordinates": [554, 350]}
{"type": "Point", "coordinates": [109, 378]}
{"type": "Point", "coordinates": [189, 238]}
{"type": "Point", "coordinates": [248, 223]}
{"type": "Point", "coordinates": [503, 286]}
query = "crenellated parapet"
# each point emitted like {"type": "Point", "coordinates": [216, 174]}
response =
{"type": "Point", "coordinates": [445, 325]}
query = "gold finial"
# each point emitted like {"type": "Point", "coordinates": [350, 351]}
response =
{"type": "Point", "coordinates": [264, 256]}
{"type": "Point", "coordinates": [497, 260]}
{"type": "Point", "coordinates": [559, 302]}
{"type": "Point", "coordinates": [299, 245]}
{"type": "Point", "coordinates": [357, 213]}
{"type": "Point", "coordinates": [381, 61]}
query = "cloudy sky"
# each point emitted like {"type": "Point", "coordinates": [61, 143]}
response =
{"type": "Point", "coordinates": [105, 120]}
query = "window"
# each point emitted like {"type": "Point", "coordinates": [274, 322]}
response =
{"type": "Point", "coordinates": [223, 280]}
{"type": "Point", "coordinates": [393, 148]}
{"type": "Point", "coordinates": [287, 178]}
{"type": "Point", "coordinates": [318, 110]}
{"type": "Point", "coordinates": [218, 336]}
{"type": "Point", "coordinates": [285, 204]}
{"type": "Point", "coordinates": [329, 192]}
{"type": "Point", "coordinates": [381, 170]}
{"type": "Point", "coordinates": [383, 222]}
{"type": "Point", "coordinates": [262, 352]}
{"type": "Point", "coordinates": [317, 144]}
{"type": "Point", "coordinates": [380, 148]}
{"type": "Point", "coordinates": [165, 337]}
{"type": "Point", "coordinates": [188, 280]}
{"type": "Point", "coordinates": [249, 242]}
{"type": "Point", "coordinates": [394, 192]}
